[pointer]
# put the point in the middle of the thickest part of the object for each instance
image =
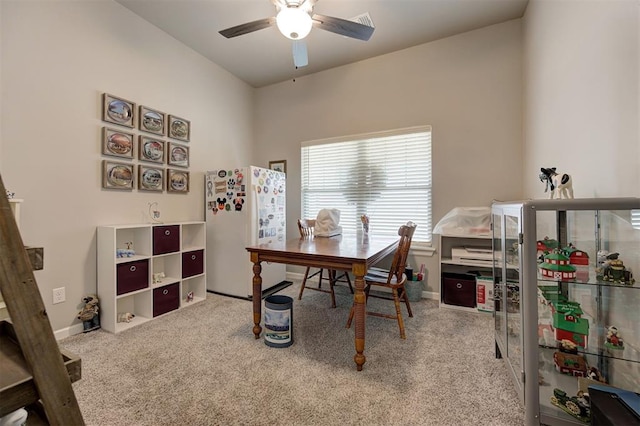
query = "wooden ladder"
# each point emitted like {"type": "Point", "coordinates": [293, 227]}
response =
{"type": "Point", "coordinates": [31, 324]}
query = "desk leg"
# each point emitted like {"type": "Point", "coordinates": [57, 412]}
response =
{"type": "Point", "coordinates": [360, 315]}
{"type": "Point", "coordinates": [257, 294]}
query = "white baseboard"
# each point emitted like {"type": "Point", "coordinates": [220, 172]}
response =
{"type": "Point", "coordinates": [294, 276]}
{"type": "Point", "coordinates": [430, 295]}
{"type": "Point", "coordinates": [458, 308]}
{"type": "Point", "coordinates": [78, 328]}
{"type": "Point", "coordinates": [68, 331]}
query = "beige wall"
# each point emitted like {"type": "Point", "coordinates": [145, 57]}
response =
{"type": "Point", "coordinates": [582, 115]}
{"type": "Point", "coordinates": [581, 95]}
{"type": "Point", "coordinates": [581, 107]}
{"type": "Point", "coordinates": [467, 87]}
{"type": "Point", "coordinates": [57, 59]}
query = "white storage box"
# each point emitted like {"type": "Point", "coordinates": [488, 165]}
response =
{"type": "Point", "coordinates": [484, 294]}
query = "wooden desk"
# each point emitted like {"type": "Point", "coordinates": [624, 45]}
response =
{"type": "Point", "coordinates": [355, 253]}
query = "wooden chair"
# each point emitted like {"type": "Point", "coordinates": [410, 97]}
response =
{"type": "Point", "coordinates": [393, 279]}
{"type": "Point", "coordinates": [305, 226]}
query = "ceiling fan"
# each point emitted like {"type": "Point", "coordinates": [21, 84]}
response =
{"type": "Point", "coordinates": [294, 19]}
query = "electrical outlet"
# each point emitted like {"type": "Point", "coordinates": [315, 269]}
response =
{"type": "Point", "coordinates": [58, 295]}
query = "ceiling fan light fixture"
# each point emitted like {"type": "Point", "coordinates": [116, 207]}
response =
{"type": "Point", "coordinates": [294, 23]}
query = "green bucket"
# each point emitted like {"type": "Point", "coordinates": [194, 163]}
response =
{"type": "Point", "coordinates": [414, 290]}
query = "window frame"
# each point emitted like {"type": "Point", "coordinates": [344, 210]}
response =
{"type": "Point", "coordinates": [423, 240]}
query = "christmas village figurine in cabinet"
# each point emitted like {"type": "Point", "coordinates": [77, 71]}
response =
{"type": "Point", "coordinates": [547, 250]}
{"type": "Point", "coordinates": [612, 269]}
{"type": "Point", "coordinates": [571, 326]}
{"type": "Point", "coordinates": [567, 346]}
{"type": "Point", "coordinates": [567, 360]}
{"type": "Point", "coordinates": [594, 374]}
{"type": "Point", "coordinates": [545, 246]}
{"type": "Point", "coordinates": [576, 256]}
{"type": "Point", "coordinates": [566, 317]}
{"type": "Point", "coordinates": [571, 364]}
{"type": "Point", "coordinates": [579, 259]}
{"type": "Point", "coordinates": [578, 406]}
{"type": "Point", "coordinates": [613, 339]}
{"type": "Point", "coordinates": [556, 266]}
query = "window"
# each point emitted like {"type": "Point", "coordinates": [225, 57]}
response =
{"type": "Point", "coordinates": [384, 175]}
{"type": "Point", "coordinates": [635, 218]}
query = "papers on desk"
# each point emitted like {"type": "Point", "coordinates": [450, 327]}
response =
{"type": "Point", "coordinates": [378, 273]}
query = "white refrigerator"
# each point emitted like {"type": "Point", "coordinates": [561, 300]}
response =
{"type": "Point", "coordinates": [243, 206]}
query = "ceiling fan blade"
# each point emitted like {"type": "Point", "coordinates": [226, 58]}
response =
{"type": "Point", "coordinates": [343, 27]}
{"type": "Point", "coordinates": [249, 27]}
{"type": "Point", "coordinates": [300, 57]}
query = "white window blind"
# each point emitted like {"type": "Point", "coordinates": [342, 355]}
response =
{"type": "Point", "coordinates": [384, 175]}
{"type": "Point", "coordinates": [635, 218]}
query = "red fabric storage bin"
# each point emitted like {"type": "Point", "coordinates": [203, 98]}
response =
{"type": "Point", "coordinates": [166, 239]}
{"type": "Point", "coordinates": [192, 263]}
{"type": "Point", "coordinates": [132, 276]}
{"type": "Point", "coordinates": [166, 299]}
{"type": "Point", "coordinates": [459, 289]}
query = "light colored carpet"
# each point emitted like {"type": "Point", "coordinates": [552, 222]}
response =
{"type": "Point", "coordinates": [202, 366]}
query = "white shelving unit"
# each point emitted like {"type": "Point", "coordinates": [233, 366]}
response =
{"type": "Point", "coordinates": [134, 283]}
{"type": "Point", "coordinates": [461, 294]}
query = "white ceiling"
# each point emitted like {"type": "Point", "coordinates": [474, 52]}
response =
{"type": "Point", "coordinates": [264, 57]}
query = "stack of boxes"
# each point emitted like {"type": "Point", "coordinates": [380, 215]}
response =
{"type": "Point", "coordinates": [484, 294]}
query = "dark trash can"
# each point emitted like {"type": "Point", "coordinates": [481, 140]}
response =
{"type": "Point", "coordinates": [278, 321]}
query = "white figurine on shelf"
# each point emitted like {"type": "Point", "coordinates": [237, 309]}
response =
{"type": "Point", "coordinates": [154, 212]}
{"type": "Point", "coordinates": [554, 181]}
{"type": "Point", "coordinates": [125, 317]}
{"type": "Point", "coordinates": [128, 252]}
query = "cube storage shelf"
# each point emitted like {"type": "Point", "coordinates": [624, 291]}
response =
{"type": "Point", "coordinates": [162, 269]}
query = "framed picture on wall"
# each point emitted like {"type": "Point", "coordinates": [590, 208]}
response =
{"type": "Point", "coordinates": [117, 143]}
{"type": "Point", "coordinates": [178, 155]}
{"type": "Point", "coordinates": [177, 180]}
{"type": "Point", "coordinates": [118, 110]}
{"type": "Point", "coordinates": [151, 149]}
{"type": "Point", "coordinates": [152, 121]}
{"type": "Point", "coordinates": [278, 166]}
{"type": "Point", "coordinates": [117, 175]}
{"type": "Point", "coordinates": [150, 178]}
{"type": "Point", "coordinates": [179, 128]}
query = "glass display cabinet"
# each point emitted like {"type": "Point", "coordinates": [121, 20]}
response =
{"type": "Point", "coordinates": [567, 306]}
